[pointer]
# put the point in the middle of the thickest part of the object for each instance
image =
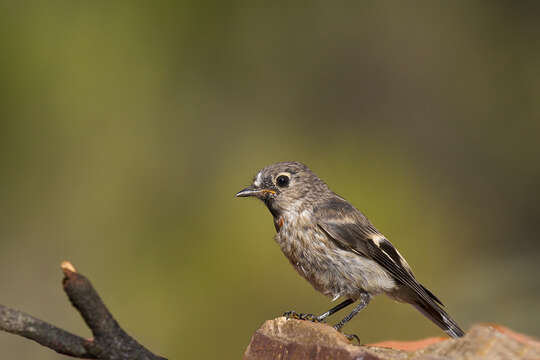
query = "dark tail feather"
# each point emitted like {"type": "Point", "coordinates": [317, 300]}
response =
{"type": "Point", "coordinates": [434, 312]}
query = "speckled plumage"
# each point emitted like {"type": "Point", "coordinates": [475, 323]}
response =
{"type": "Point", "coordinates": [335, 247]}
{"type": "Point", "coordinates": [331, 270]}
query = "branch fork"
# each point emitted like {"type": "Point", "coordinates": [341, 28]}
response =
{"type": "Point", "coordinates": [110, 341]}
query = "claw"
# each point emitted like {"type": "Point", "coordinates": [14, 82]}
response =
{"type": "Point", "coordinates": [310, 317]}
{"type": "Point", "coordinates": [301, 316]}
{"type": "Point", "coordinates": [353, 337]}
{"type": "Point", "coordinates": [291, 315]}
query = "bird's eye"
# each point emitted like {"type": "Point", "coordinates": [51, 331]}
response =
{"type": "Point", "coordinates": [282, 181]}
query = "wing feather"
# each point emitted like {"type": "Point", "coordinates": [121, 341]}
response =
{"type": "Point", "coordinates": [351, 230]}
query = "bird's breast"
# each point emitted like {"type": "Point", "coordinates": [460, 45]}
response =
{"type": "Point", "coordinates": [307, 248]}
{"type": "Point", "coordinates": [330, 269]}
{"type": "Point", "coordinates": [296, 236]}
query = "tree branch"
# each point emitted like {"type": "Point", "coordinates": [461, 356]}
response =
{"type": "Point", "coordinates": [19, 323]}
{"type": "Point", "coordinates": [110, 341]}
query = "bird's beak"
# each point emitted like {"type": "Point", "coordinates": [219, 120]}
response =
{"type": "Point", "coordinates": [253, 191]}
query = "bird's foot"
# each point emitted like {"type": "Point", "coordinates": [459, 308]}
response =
{"type": "Point", "coordinates": [349, 337]}
{"type": "Point", "coordinates": [301, 316]}
{"type": "Point", "coordinates": [353, 337]}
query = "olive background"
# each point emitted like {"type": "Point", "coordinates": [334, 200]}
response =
{"type": "Point", "coordinates": [127, 127]}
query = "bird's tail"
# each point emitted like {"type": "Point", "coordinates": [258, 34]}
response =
{"type": "Point", "coordinates": [435, 313]}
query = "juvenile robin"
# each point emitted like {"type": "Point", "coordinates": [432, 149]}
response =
{"type": "Point", "coordinates": [336, 248]}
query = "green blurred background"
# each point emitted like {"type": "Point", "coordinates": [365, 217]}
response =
{"type": "Point", "coordinates": [127, 127]}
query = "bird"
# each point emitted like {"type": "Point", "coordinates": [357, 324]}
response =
{"type": "Point", "coordinates": [336, 248]}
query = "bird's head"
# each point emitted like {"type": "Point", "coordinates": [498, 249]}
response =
{"type": "Point", "coordinates": [285, 186]}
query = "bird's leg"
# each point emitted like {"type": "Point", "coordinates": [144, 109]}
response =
{"type": "Point", "coordinates": [335, 309]}
{"type": "Point", "coordinates": [364, 300]}
{"type": "Point", "coordinates": [315, 318]}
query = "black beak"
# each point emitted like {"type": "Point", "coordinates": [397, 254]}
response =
{"type": "Point", "coordinates": [253, 191]}
{"type": "Point", "coordinates": [249, 191]}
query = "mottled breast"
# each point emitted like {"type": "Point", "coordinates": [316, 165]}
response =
{"type": "Point", "coordinates": [330, 269]}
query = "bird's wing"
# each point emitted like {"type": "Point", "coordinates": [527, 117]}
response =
{"type": "Point", "coordinates": [352, 231]}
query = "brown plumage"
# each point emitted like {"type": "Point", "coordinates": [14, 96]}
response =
{"type": "Point", "coordinates": [335, 247]}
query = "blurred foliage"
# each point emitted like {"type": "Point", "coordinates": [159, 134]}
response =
{"type": "Point", "coordinates": [128, 126]}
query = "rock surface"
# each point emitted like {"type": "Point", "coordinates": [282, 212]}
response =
{"type": "Point", "coordinates": [283, 338]}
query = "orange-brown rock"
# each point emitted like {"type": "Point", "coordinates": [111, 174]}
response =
{"type": "Point", "coordinates": [289, 339]}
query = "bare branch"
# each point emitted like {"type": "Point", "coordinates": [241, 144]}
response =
{"type": "Point", "coordinates": [110, 341]}
{"type": "Point", "coordinates": [19, 323]}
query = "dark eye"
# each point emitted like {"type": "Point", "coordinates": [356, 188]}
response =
{"type": "Point", "coordinates": [282, 181]}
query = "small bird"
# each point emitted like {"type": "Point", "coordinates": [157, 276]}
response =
{"type": "Point", "coordinates": [336, 248]}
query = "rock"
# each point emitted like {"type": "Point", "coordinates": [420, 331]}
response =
{"type": "Point", "coordinates": [289, 339]}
